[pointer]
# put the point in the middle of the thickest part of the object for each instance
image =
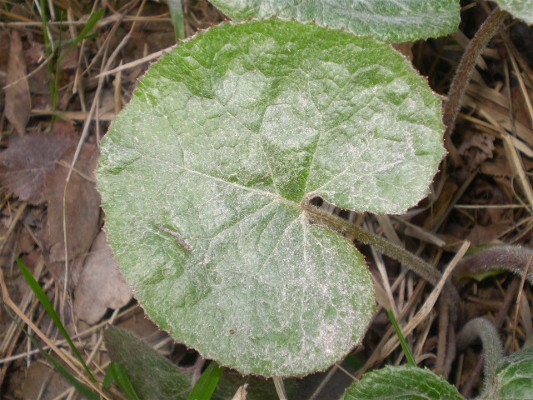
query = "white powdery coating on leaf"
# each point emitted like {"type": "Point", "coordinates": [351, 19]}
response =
{"type": "Point", "coordinates": [203, 174]}
{"type": "Point", "coordinates": [522, 9]}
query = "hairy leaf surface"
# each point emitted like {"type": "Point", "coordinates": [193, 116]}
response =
{"type": "Point", "coordinates": [388, 20]}
{"type": "Point", "coordinates": [204, 173]}
{"type": "Point", "coordinates": [402, 382]}
{"type": "Point", "coordinates": [514, 378]}
{"type": "Point", "coordinates": [522, 9]}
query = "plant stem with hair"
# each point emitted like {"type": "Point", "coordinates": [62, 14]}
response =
{"type": "Point", "coordinates": [464, 72]}
{"type": "Point", "coordinates": [492, 349]}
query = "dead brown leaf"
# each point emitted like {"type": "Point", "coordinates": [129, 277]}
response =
{"type": "Point", "coordinates": [476, 148]}
{"type": "Point", "coordinates": [43, 383]}
{"type": "Point", "coordinates": [101, 285]}
{"type": "Point", "coordinates": [26, 161]}
{"type": "Point", "coordinates": [81, 217]}
{"type": "Point", "coordinates": [18, 100]}
{"type": "Point", "coordinates": [480, 234]}
{"type": "Point", "coordinates": [4, 51]}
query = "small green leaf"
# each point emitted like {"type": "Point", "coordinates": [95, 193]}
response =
{"type": "Point", "coordinates": [208, 382]}
{"type": "Point", "coordinates": [388, 20]}
{"type": "Point", "coordinates": [515, 377]}
{"type": "Point", "coordinates": [152, 376]}
{"type": "Point", "coordinates": [404, 382]}
{"type": "Point", "coordinates": [204, 176]}
{"type": "Point", "coordinates": [522, 9]}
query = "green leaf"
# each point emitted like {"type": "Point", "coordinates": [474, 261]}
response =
{"type": "Point", "coordinates": [151, 375]}
{"type": "Point", "coordinates": [204, 175]}
{"type": "Point", "coordinates": [522, 9]}
{"type": "Point", "coordinates": [403, 382]}
{"type": "Point", "coordinates": [515, 377]}
{"type": "Point", "coordinates": [208, 382]}
{"type": "Point", "coordinates": [388, 20]}
{"type": "Point", "coordinates": [154, 377]}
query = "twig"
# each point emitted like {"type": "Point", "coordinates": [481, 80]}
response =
{"type": "Point", "coordinates": [442, 344]}
{"type": "Point", "coordinates": [280, 388]}
{"type": "Point", "coordinates": [429, 303]}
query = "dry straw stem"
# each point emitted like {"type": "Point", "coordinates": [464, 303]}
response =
{"type": "Point", "coordinates": [12, 334]}
{"type": "Point", "coordinates": [135, 63]}
{"type": "Point", "coordinates": [389, 342]}
{"type": "Point", "coordinates": [80, 335]}
{"type": "Point", "coordinates": [521, 84]}
{"type": "Point", "coordinates": [512, 147]}
{"type": "Point", "coordinates": [67, 358]}
{"type": "Point", "coordinates": [428, 304]}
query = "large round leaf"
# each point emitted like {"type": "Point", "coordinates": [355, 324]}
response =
{"type": "Point", "coordinates": [389, 20]}
{"type": "Point", "coordinates": [203, 175]}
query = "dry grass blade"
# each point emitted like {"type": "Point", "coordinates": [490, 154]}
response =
{"type": "Point", "coordinates": [70, 361]}
{"type": "Point", "coordinates": [18, 101]}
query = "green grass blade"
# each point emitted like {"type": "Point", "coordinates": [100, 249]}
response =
{"type": "Point", "coordinates": [116, 372]}
{"type": "Point", "coordinates": [80, 386]}
{"type": "Point", "coordinates": [403, 342]}
{"type": "Point", "coordinates": [91, 23]}
{"type": "Point", "coordinates": [73, 41]}
{"type": "Point", "coordinates": [49, 308]}
{"type": "Point", "coordinates": [44, 21]}
{"type": "Point", "coordinates": [206, 385]}
{"type": "Point", "coordinates": [178, 18]}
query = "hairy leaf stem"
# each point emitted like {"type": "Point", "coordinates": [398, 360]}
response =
{"type": "Point", "coordinates": [489, 261]}
{"type": "Point", "coordinates": [492, 349]}
{"type": "Point", "coordinates": [392, 250]}
{"type": "Point", "coordinates": [464, 72]}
